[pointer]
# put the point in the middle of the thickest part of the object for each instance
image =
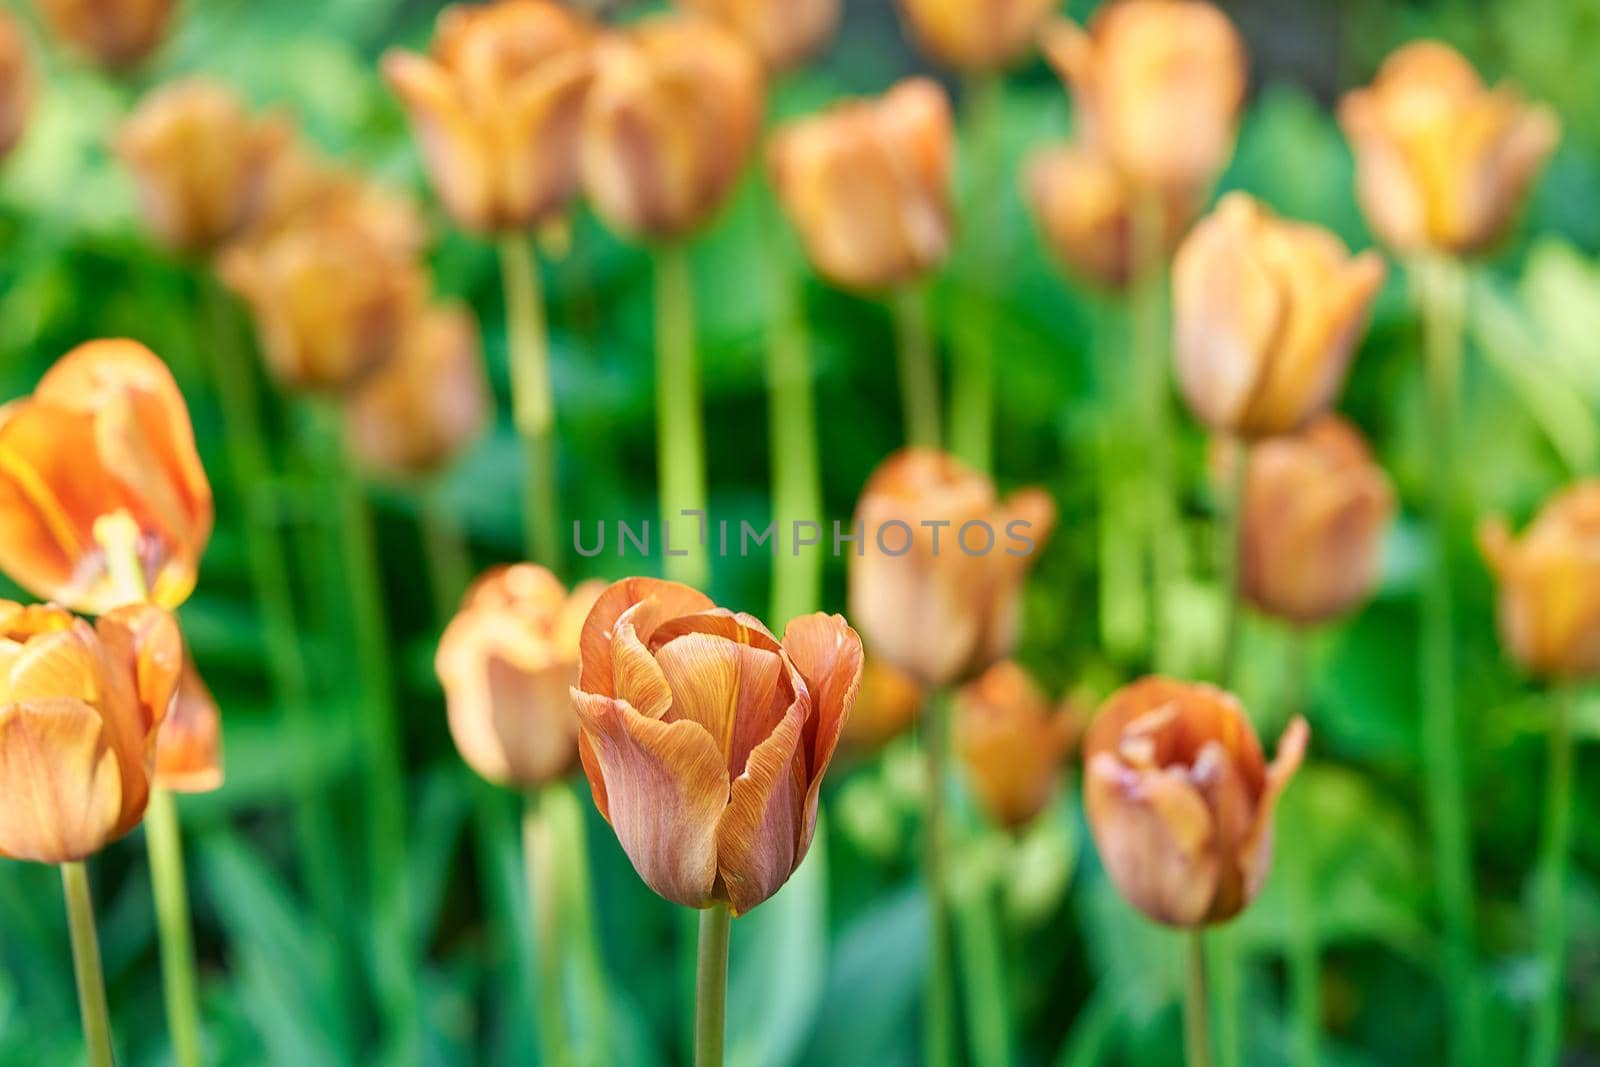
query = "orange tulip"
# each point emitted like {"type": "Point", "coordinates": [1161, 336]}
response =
{"type": "Point", "coordinates": [113, 33]}
{"type": "Point", "coordinates": [671, 120]}
{"type": "Point", "coordinates": [189, 745]}
{"type": "Point", "coordinates": [428, 404]}
{"type": "Point", "coordinates": [507, 661]}
{"type": "Point", "coordinates": [889, 704]}
{"type": "Point", "coordinates": [1267, 315]}
{"type": "Point", "coordinates": [497, 109]}
{"type": "Point", "coordinates": [1012, 743]}
{"type": "Point", "coordinates": [200, 161]}
{"type": "Point", "coordinates": [1550, 585]}
{"type": "Point", "coordinates": [106, 434]}
{"type": "Point", "coordinates": [867, 184]}
{"type": "Point", "coordinates": [784, 32]}
{"type": "Point", "coordinates": [1158, 86]}
{"type": "Point", "coordinates": [1180, 799]}
{"type": "Point", "coordinates": [16, 83]}
{"type": "Point", "coordinates": [1443, 163]}
{"type": "Point", "coordinates": [705, 739]}
{"type": "Point", "coordinates": [79, 714]}
{"type": "Point", "coordinates": [302, 191]}
{"type": "Point", "coordinates": [975, 35]}
{"type": "Point", "coordinates": [936, 580]}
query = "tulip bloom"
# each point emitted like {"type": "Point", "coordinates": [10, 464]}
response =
{"type": "Point", "coordinates": [78, 719]}
{"type": "Point", "coordinates": [189, 745]}
{"type": "Point", "coordinates": [867, 184]}
{"type": "Point", "coordinates": [976, 35]}
{"type": "Point", "coordinates": [1267, 314]}
{"type": "Point", "coordinates": [200, 162]}
{"type": "Point", "coordinates": [784, 32]}
{"type": "Point", "coordinates": [105, 433]}
{"type": "Point", "coordinates": [888, 704]}
{"type": "Point", "coordinates": [672, 117]}
{"type": "Point", "coordinates": [16, 83]}
{"type": "Point", "coordinates": [507, 661]}
{"type": "Point", "coordinates": [705, 739]}
{"type": "Point", "coordinates": [1158, 86]}
{"type": "Point", "coordinates": [1443, 163]}
{"type": "Point", "coordinates": [1180, 799]}
{"type": "Point", "coordinates": [117, 34]}
{"type": "Point", "coordinates": [1549, 583]}
{"type": "Point", "coordinates": [302, 191]}
{"type": "Point", "coordinates": [937, 579]}
{"type": "Point", "coordinates": [1012, 743]}
{"type": "Point", "coordinates": [497, 109]}
{"type": "Point", "coordinates": [1316, 508]}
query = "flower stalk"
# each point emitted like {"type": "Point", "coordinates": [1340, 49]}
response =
{"type": "Point", "coordinates": [533, 408]}
{"type": "Point", "coordinates": [711, 986]}
{"type": "Point", "coordinates": [542, 861]}
{"type": "Point", "coordinates": [972, 387]}
{"type": "Point", "coordinates": [680, 421]}
{"type": "Point", "coordinates": [1554, 857]}
{"type": "Point", "coordinates": [86, 965]}
{"type": "Point", "coordinates": [1148, 341]}
{"type": "Point", "coordinates": [938, 1009]}
{"type": "Point", "coordinates": [1196, 1005]}
{"type": "Point", "coordinates": [919, 373]}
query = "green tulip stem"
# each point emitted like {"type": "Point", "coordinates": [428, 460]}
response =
{"type": "Point", "coordinates": [977, 922]}
{"type": "Point", "coordinates": [1230, 552]}
{"type": "Point", "coordinates": [972, 385]}
{"type": "Point", "coordinates": [542, 860]}
{"type": "Point", "coordinates": [533, 408]}
{"type": "Point", "coordinates": [711, 986]}
{"type": "Point", "coordinates": [86, 965]}
{"type": "Point", "coordinates": [919, 371]}
{"type": "Point", "coordinates": [1554, 855]}
{"type": "Point", "coordinates": [565, 811]}
{"type": "Point", "coordinates": [1305, 948]}
{"type": "Point", "coordinates": [1196, 1005]}
{"type": "Point", "coordinates": [1123, 596]}
{"type": "Point", "coordinates": [680, 422]}
{"type": "Point", "coordinates": [938, 1008]}
{"type": "Point", "coordinates": [1148, 339]}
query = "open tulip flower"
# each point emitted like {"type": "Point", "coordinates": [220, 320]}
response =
{"type": "Point", "coordinates": [705, 738]}
{"type": "Point", "coordinates": [189, 755]}
{"type": "Point", "coordinates": [976, 35]}
{"type": "Point", "coordinates": [1443, 163]}
{"type": "Point", "coordinates": [106, 434]}
{"type": "Point", "coordinates": [116, 34]}
{"type": "Point", "coordinates": [16, 83]}
{"type": "Point", "coordinates": [497, 108]}
{"type": "Point", "coordinates": [1267, 316]}
{"type": "Point", "coordinates": [867, 184]}
{"type": "Point", "coordinates": [1013, 742]}
{"type": "Point", "coordinates": [1549, 581]}
{"type": "Point", "coordinates": [1180, 799]}
{"type": "Point", "coordinates": [784, 32]}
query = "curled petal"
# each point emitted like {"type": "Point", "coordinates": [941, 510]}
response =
{"type": "Point", "coordinates": [759, 837]}
{"type": "Point", "coordinates": [827, 653]}
{"type": "Point", "coordinates": [189, 742]}
{"type": "Point", "coordinates": [670, 599]}
{"type": "Point", "coordinates": [63, 791]}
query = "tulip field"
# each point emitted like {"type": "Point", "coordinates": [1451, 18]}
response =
{"type": "Point", "coordinates": [795, 533]}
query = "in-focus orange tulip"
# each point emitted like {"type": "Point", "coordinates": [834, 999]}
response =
{"type": "Point", "coordinates": [497, 108]}
{"type": "Point", "coordinates": [507, 662]}
{"type": "Point", "coordinates": [937, 579]}
{"type": "Point", "coordinates": [105, 434]}
{"type": "Point", "coordinates": [1443, 163]}
{"type": "Point", "coordinates": [671, 120]}
{"type": "Point", "coordinates": [1549, 583]}
{"type": "Point", "coordinates": [867, 184]}
{"type": "Point", "coordinates": [889, 704]}
{"type": "Point", "coordinates": [976, 35]}
{"type": "Point", "coordinates": [428, 404]}
{"type": "Point", "coordinates": [705, 739]}
{"type": "Point", "coordinates": [1158, 86]}
{"type": "Point", "coordinates": [1180, 799]}
{"type": "Point", "coordinates": [1267, 316]}
{"type": "Point", "coordinates": [189, 744]}
{"type": "Point", "coordinates": [200, 161]}
{"type": "Point", "coordinates": [80, 707]}
{"type": "Point", "coordinates": [1012, 742]}
{"type": "Point", "coordinates": [117, 34]}
{"type": "Point", "coordinates": [1316, 508]}
{"type": "Point", "coordinates": [16, 83]}
{"type": "Point", "coordinates": [785, 32]}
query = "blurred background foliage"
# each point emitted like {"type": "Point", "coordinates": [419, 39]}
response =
{"type": "Point", "coordinates": [829, 971]}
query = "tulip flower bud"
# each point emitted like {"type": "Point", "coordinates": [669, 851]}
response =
{"type": "Point", "coordinates": [937, 579]}
{"type": "Point", "coordinates": [200, 161]}
{"type": "Point", "coordinates": [106, 433]}
{"type": "Point", "coordinates": [79, 710]}
{"type": "Point", "coordinates": [867, 184]}
{"type": "Point", "coordinates": [1549, 583]}
{"type": "Point", "coordinates": [1012, 743]}
{"type": "Point", "coordinates": [975, 35]}
{"type": "Point", "coordinates": [1267, 315]}
{"type": "Point", "coordinates": [302, 191]}
{"type": "Point", "coordinates": [189, 745]}
{"type": "Point", "coordinates": [785, 32]}
{"type": "Point", "coordinates": [1158, 85]}
{"type": "Point", "coordinates": [116, 34]}
{"type": "Point", "coordinates": [1085, 210]}
{"type": "Point", "coordinates": [1180, 799]}
{"type": "Point", "coordinates": [889, 703]}
{"type": "Point", "coordinates": [497, 109]}
{"type": "Point", "coordinates": [1443, 163]}
{"type": "Point", "coordinates": [705, 739]}
{"type": "Point", "coordinates": [671, 120]}
{"type": "Point", "coordinates": [507, 661]}
{"type": "Point", "coordinates": [16, 83]}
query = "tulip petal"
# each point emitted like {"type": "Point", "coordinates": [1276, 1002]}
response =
{"type": "Point", "coordinates": [453, 142]}
{"type": "Point", "coordinates": [671, 599]}
{"type": "Point", "coordinates": [635, 675]}
{"type": "Point", "coordinates": [1255, 851]}
{"type": "Point", "coordinates": [63, 794]}
{"type": "Point", "coordinates": [729, 689]}
{"type": "Point", "coordinates": [759, 835]}
{"type": "Point", "coordinates": [143, 657]}
{"type": "Point", "coordinates": [827, 653]}
{"type": "Point", "coordinates": [189, 741]}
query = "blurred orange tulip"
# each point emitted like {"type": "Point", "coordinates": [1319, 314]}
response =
{"type": "Point", "coordinates": [507, 662]}
{"type": "Point", "coordinates": [1443, 163]}
{"type": "Point", "coordinates": [867, 184]}
{"type": "Point", "coordinates": [937, 579]}
{"type": "Point", "coordinates": [189, 744]}
{"type": "Point", "coordinates": [889, 704]}
{"type": "Point", "coordinates": [16, 83]}
{"type": "Point", "coordinates": [117, 34]}
{"type": "Point", "coordinates": [1012, 743]}
{"type": "Point", "coordinates": [976, 35]}
{"type": "Point", "coordinates": [302, 191]}
{"type": "Point", "coordinates": [105, 434]}
{"type": "Point", "coordinates": [498, 107]}
{"type": "Point", "coordinates": [671, 120]}
{"type": "Point", "coordinates": [79, 714]}
{"type": "Point", "coordinates": [785, 32]}
{"type": "Point", "coordinates": [1549, 583]}
{"type": "Point", "coordinates": [705, 739]}
{"type": "Point", "coordinates": [1267, 316]}
{"type": "Point", "coordinates": [1158, 87]}
{"type": "Point", "coordinates": [200, 162]}
{"type": "Point", "coordinates": [1180, 799]}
